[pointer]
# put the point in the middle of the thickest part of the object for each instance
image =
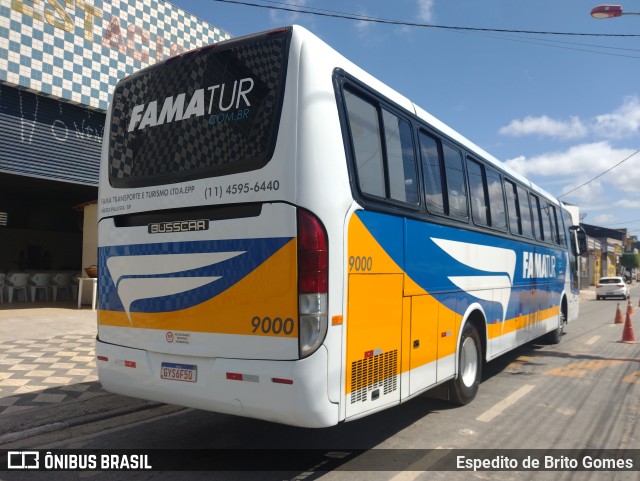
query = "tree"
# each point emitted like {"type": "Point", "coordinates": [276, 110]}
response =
{"type": "Point", "coordinates": [630, 261]}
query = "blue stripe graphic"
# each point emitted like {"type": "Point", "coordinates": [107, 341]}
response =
{"type": "Point", "coordinates": [231, 271]}
{"type": "Point", "coordinates": [410, 244]}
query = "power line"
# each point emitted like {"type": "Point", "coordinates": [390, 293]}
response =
{"type": "Point", "coordinates": [558, 44]}
{"type": "Point", "coordinates": [624, 222]}
{"type": "Point", "coordinates": [599, 175]}
{"type": "Point", "coordinates": [581, 44]}
{"type": "Point", "coordinates": [362, 18]}
{"type": "Point", "coordinates": [486, 33]}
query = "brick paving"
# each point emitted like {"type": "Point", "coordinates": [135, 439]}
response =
{"type": "Point", "coordinates": [41, 372]}
{"type": "Point", "coordinates": [46, 356]}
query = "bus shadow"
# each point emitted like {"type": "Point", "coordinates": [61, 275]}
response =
{"type": "Point", "coordinates": [361, 434]}
{"type": "Point", "coordinates": [516, 362]}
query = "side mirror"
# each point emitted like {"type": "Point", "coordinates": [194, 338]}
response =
{"type": "Point", "coordinates": [579, 240]}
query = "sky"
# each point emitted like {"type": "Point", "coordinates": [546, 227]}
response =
{"type": "Point", "coordinates": [559, 109]}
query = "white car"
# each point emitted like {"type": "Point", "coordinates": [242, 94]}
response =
{"type": "Point", "coordinates": [612, 287]}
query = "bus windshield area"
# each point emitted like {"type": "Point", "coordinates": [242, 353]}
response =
{"type": "Point", "coordinates": [209, 112]}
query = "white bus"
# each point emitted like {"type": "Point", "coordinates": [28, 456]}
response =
{"type": "Point", "coordinates": [284, 237]}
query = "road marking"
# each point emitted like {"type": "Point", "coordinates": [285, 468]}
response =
{"type": "Point", "coordinates": [421, 465]}
{"type": "Point", "coordinates": [406, 475]}
{"type": "Point", "coordinates": [592, 341]}
{"type": "Point", "coordinates": [505, 403]}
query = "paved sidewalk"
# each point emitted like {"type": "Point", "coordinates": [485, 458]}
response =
{"type": "Point", "coordinates": [46, 355]}
{"type": "Point", "coordinates": [588, 293]}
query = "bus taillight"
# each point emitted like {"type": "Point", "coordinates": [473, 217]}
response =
{"type": "Point", "coordinates": [313, 281]}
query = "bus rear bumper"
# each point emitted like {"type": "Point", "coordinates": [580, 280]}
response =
{"type": "Point", "coordinates": [287, 392]}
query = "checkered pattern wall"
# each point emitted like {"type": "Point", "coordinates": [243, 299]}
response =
{"type": "Point", "coordinates": [78, 49]}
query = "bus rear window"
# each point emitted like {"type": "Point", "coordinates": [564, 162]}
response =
{"type": "Point", "coordinates": [211, 112]}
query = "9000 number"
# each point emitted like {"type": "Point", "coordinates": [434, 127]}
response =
{"type": "Point", "coordinates": [277, 325]}
{"type": "Point", "coordinates": [360, 263]}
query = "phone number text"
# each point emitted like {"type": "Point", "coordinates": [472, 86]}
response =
{"type": "Point", "coordinates": [219, 191]}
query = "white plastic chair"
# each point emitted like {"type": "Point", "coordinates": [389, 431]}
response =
{"type": "Point", "coordinates": [61, 281]}
{"type": "Point", "coordinates": [74, 283]}
{"type": "Point", "coordinates": [16, 281]}
{"type": "Point", "coordinates": [39, 281]}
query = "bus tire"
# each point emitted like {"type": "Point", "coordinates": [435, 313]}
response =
{"type": "Point", "coordinates": [463, 389]}
{"type": "Point", "coordinates": [555, 336]}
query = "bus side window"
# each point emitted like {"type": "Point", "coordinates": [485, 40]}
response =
{"type": "Point", "coordinates": [456, 187]}
{"type": "Point", "coordinates": [496, 200]}
{"type": "Point", "coordinates": [479, 206]}
{"type": "Point", "coordinates": [519, 210]}
{"type": "Point", "coordinates": [555, 234]}
{"type": "Point", "coordinates": [365, 135]}
{"type": "Point", "coordinates": [432, 174]}
{"type": "Point", "coordinates": [487, 196]}
{"type": "Point", "coordinates": [512, 206]}
{"type": "Point", "coordinates": [401, 161]}
{"type": "Point", "coordinates": [546, 221]}
{"type": "Point", "coordinates": [536, 217]}
{"type": "Point", "coordinates": [528, 227]}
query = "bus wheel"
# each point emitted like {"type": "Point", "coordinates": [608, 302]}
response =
{"type": "Point", "coordinates": [554, 336]}
{"type": "Point", "coordinates": [464, 387]}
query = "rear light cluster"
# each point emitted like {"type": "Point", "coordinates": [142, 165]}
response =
{"type": "Point", "coordinates": [313, 281]}
{"type": "Point", "coordinates": [119, 362]}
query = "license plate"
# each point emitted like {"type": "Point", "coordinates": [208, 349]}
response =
{"type": "Point", "coordinates": [179, 372]}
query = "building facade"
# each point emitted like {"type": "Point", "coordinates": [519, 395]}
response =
{"type": "Point", "coordinates": [612, 245]}
{"type": "Point", "coordinates": [59, 62]}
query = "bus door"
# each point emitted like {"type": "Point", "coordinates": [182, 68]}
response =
{"type": "Point", "coordinates": [423, 343]}
{"type": "Point", "coordinates": [434, 320]}
{"type": "Point", "coordinates": [498, 323]}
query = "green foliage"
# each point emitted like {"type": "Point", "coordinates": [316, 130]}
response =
{"type": "Point", "coordinates": [629, 261]}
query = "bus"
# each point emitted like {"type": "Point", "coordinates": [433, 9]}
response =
{"type": "Point", "coordinates": [284, 237]}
